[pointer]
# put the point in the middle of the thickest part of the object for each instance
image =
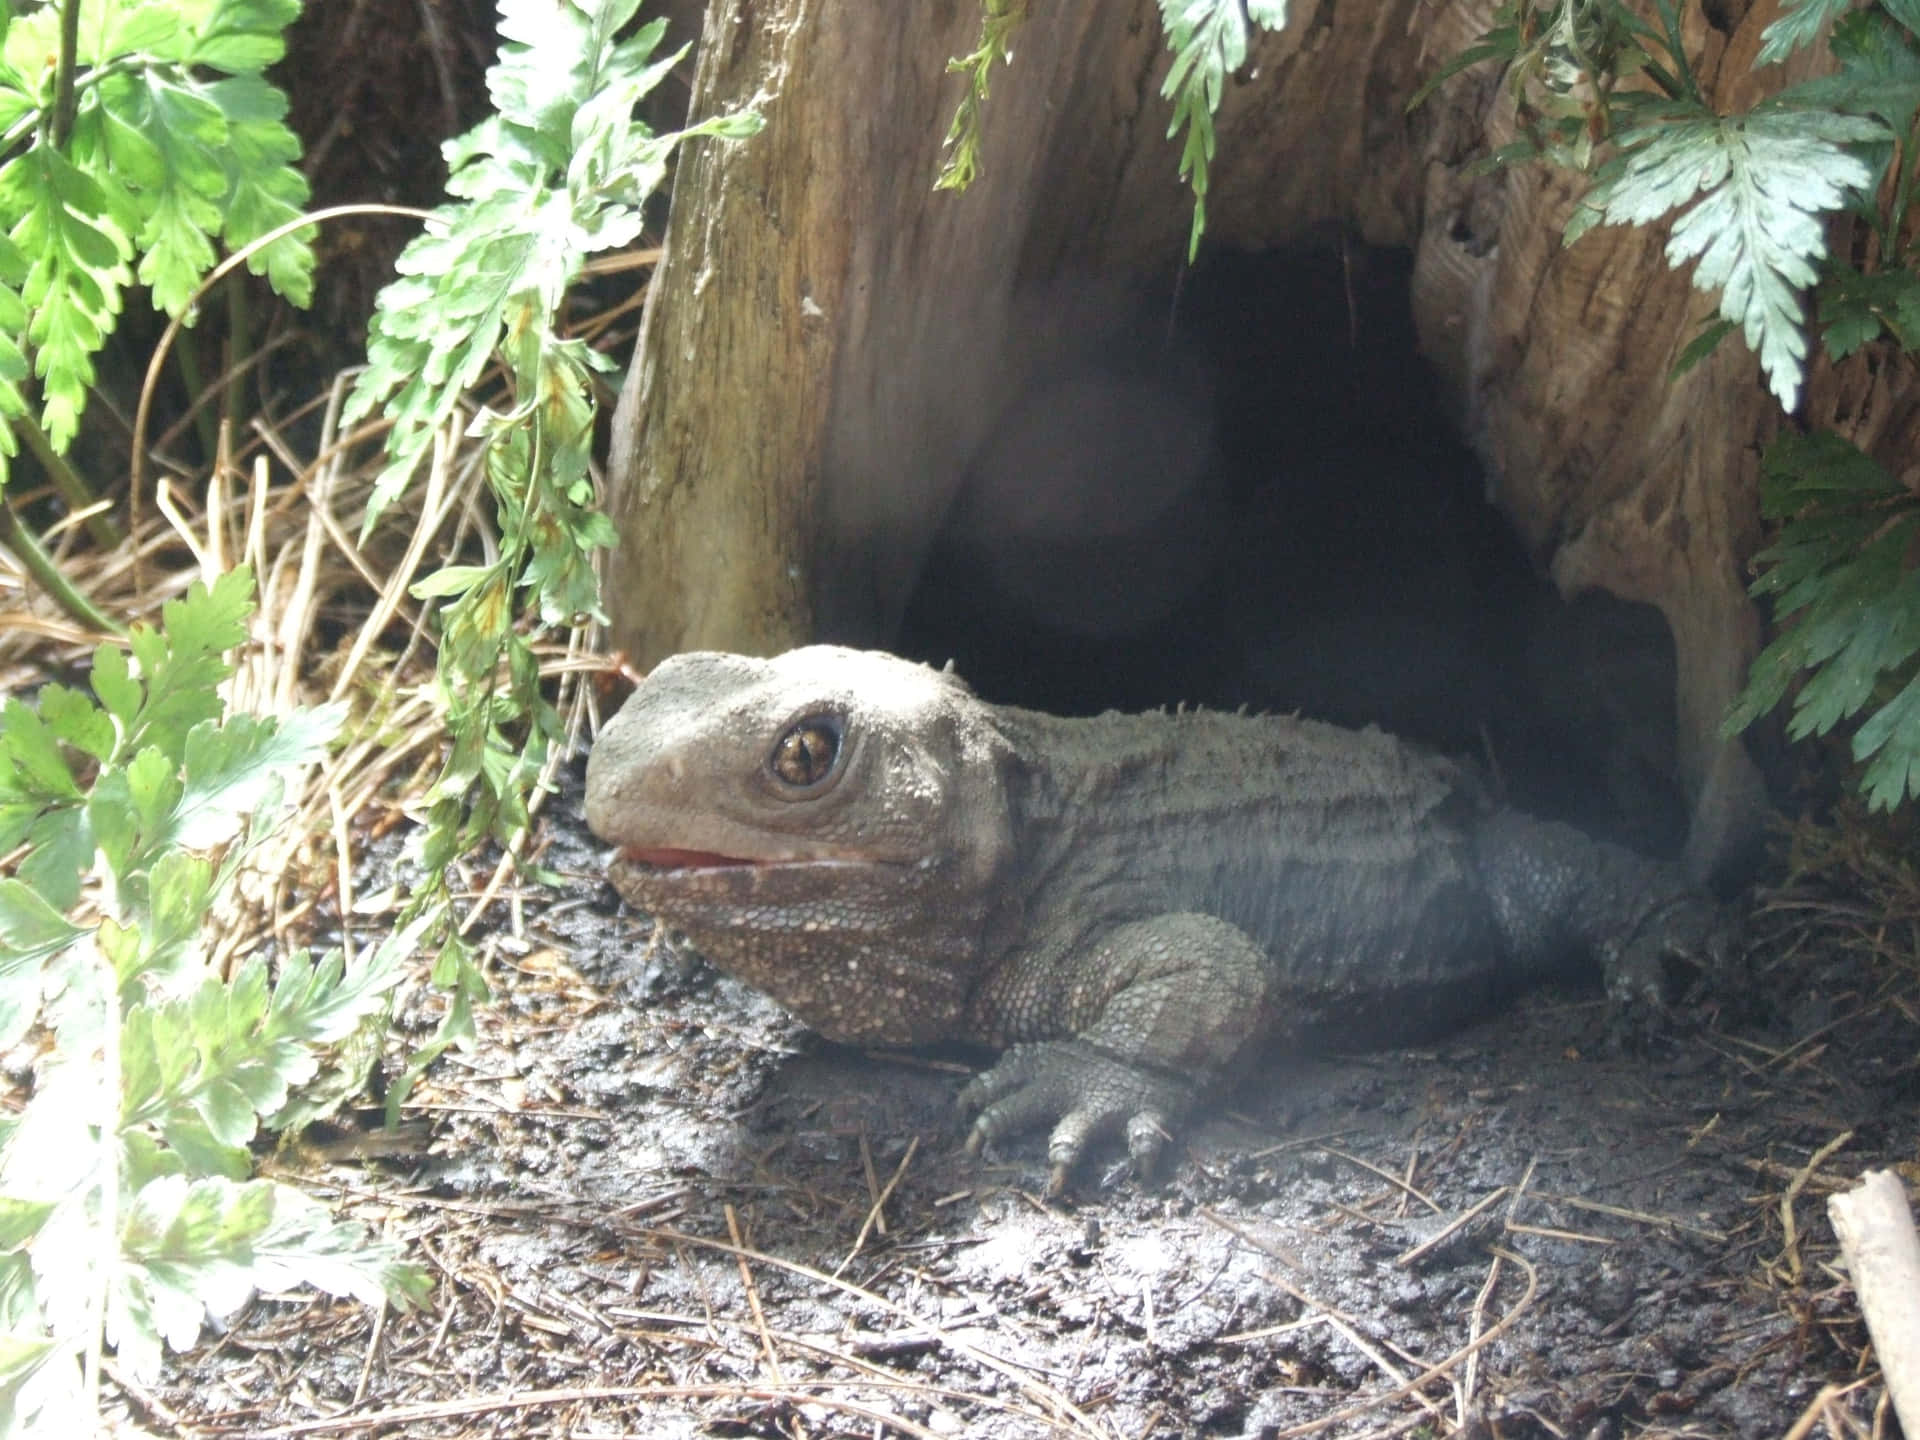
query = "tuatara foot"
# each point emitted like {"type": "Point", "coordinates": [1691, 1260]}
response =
{"type": "Point", "coordinates": [1085, 1092]}
{"type": "Point", "coordinates": [1657, 937]}
{"type": "Point", "coordinates": [1656, 973]}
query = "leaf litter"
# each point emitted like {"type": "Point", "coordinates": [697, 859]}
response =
{"type": "Point", "coordinates": [654, 1205]}
{"type": "Point", "coordinates": [651, 1204]}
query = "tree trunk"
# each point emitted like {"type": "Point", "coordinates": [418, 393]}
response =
{"type": "Point", "coordinates": [829, 339]}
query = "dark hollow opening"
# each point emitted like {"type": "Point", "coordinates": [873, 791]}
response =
{"type": "Point", "coordinates": [1246, 492]}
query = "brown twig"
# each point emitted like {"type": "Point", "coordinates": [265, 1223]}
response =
{"type": "Point", "coordinates": [1453, 1227]}
{"type": "Point", "coordinates": [875, 1214]}
{"type": "Point", "coordinates": [753, 1295]}
{"type": "Point", "coordinates": [1311, 1427]}
{"type": "Point", "coordinates": [402, 1416]}
{"type": "Point", "coordinates": [1791, 1251]}
{"type": "Point", "coordinates": [1405, 1187]}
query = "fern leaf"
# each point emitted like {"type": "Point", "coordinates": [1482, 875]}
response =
{"type": "Point", "coordinates": [1209, 42]}
{"type": "Point", "coordinates": [31, 933]}
{"type": "Point", "coordinates": [240, 37]}
{"type": "Point", "coordinates": [264, 191]}
{"type": "Point", "coordinates": [552, 176]}
{"type": "Point", "coordinates": [999, 19]}
{"type": "Point", "coordinates": [1840, 569]}
{"type": "Point", "coordinates": [202, 1248]}
{"type": "Point", "coordinates": [181, 187]}
{"type": "Point", "coordinates": [227, 768]}
{"type": "Point", "coordinates": [1879, 72]}
{"type": "Point", "coordinates": [1700, 347]}
{"type": "Point", "coordinates": [59, 216]}
{"type": "Point", "coordinates": [1801, 24]}
{"type": "Point", "coordinates": [1890, 741]}
{"type": "Point", "coordinates": [183, 664]}
{"type": "Point", "coordinates": [204, 1070]}
{"type": "Point", "coordinates": [1801, 470]}
{"type": "Point", "coordinates": [1855, 308]}
{"type": "Point", "coordinates": [1757, 187]}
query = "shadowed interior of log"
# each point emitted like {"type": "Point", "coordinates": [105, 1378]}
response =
{"type": "Point", "coordinates": [830, 344]}
{"type": "Point", "coordinates": [1248, 491]}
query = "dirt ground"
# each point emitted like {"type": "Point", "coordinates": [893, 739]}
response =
{"type": "Point", "coordinates": [654, 1206]}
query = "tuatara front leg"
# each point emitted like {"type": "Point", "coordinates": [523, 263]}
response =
{"type": "Point", "coordinates": [1146, 1015]}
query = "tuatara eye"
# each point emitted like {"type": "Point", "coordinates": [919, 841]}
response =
{"type": "Point", "coordinates": [804, 755]}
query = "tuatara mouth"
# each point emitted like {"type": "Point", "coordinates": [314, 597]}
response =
{"type": "Point", "coordinates": [664, 858]}
{"type": "Point", "coordinates": [669, 858]}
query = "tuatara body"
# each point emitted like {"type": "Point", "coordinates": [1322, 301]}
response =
{"type": "Point", "coordinates": [1123, 904]}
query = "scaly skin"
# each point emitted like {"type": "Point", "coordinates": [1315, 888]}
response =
{"type": "Point", "coordinates": [1122, 904]}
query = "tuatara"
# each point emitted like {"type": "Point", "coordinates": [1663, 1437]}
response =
{"type": "Point", "coordinates": [1121, 903]}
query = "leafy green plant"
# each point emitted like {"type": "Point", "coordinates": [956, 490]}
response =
{"type": "Point", "coordinates": [132, 139]}
{"type": "Point", "coordinates": [1749, 193]}
{"type": "Point", "coordinates": [1751, 199]}
{"type": "Point", "coordinates": [1209, 42]}
{"type": "Point", "coordinates": [1842, 571]}
{"type": "Point", "coordinates": [126, 1214]}
{"type": "Point", "coordinates": [999, 19]}
{"type": "Point", "coordinates": [559, 173]}
{"type": "Point", "coordinates": [134, 135]}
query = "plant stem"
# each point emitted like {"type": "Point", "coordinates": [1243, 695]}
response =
{"type": "Point", "coordinates": [37, 563]}
{"type": "Point", "coordinates": [186, 359]}
{"type": "Point", "coordinates": [239, 347]}
{"type": "Point", "coordinates": [1904, 156]}
{"type": "Point", "coordinates": [108, 1244]}
{"type": "Point", "coordinates": [68, 481]}
{"type": "Point", "coordinates": [63, 98]}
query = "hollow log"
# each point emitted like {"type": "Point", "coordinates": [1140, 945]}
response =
{"type": "Point", "coordinates": [829, 339]}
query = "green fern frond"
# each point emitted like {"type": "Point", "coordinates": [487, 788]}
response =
{"type": "Point", "coordinates": [1754, 191]}
{"type": "Point", "coordinates": [998, 20]}
{"type": "Point", "coordinates": [1209, 42]}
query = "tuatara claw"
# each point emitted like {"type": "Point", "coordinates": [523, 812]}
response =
{"type": "Point", "coordinates": [1085, 1093]}
{"type": "Point", "coordinates": [1688, 948]}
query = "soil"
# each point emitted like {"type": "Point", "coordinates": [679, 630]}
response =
{"type": "Point", "coordinates": [653, 1205]}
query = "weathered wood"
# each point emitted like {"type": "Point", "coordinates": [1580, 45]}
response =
{"type": "Point", "coordinates": [1616, 476]}
{"type": "Point", "coordinates": [1877, 1238]}
{"type": "Point", "coordinates": [829, 339]}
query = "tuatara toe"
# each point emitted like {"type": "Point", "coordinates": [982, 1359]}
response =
{"type": "Point", "coordinates": [1085, 1094]}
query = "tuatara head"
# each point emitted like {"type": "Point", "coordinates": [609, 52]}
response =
{"type": "Point", "coordinates": [827, 825]}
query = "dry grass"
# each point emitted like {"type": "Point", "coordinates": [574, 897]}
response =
{"type": "Point", "coordinates": [334, 622]}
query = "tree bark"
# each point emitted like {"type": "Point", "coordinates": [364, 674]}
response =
{"type": "Point", "coordinates": [1877, 1237]}
{"type": "Point", "coordinates": [828, 339]}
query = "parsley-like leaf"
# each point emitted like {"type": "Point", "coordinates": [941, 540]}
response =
{"type": "Point", "coordinates": [1757, 186]}
{"type": "Point", "coordinates": [78, 264]}
{"type": "Point", "coordinates": [1209, 42]}
{"type": "Point", "coordinates": [198, 1248]}
{"type": "Point", "coordinates": [1855, 308]}
{"type": "Point", "coordinates": [1801, 24]}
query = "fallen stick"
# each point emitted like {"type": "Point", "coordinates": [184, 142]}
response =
{"type": "Point", "coordinates": [1883, 1257]}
